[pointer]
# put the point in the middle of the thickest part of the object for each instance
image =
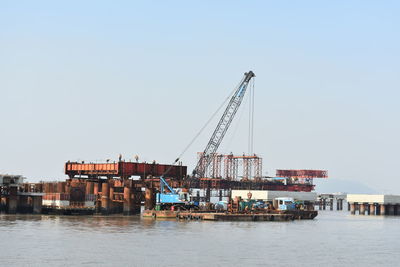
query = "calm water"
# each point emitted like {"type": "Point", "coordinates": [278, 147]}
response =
{"type": "Point", "coordinates": [332, 239]}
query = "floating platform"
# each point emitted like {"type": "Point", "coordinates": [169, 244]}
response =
{"type": "Point", "coordinates": [225, 216]}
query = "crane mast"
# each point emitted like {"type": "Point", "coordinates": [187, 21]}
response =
{"type": "Point", "coordinates": [209, 152]}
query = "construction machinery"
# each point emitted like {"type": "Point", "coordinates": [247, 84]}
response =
{"type": "Point", "coordinates": [218, 135]}
{"type": "Point", "coordinates": [171, 198]}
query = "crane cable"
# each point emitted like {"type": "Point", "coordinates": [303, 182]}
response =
{"type": "Point", "coordinates": [235, 127]}
{"type": "Point", "coordinates": [251, 150]}
{"type": "Point", "coordinates": [202, 129]}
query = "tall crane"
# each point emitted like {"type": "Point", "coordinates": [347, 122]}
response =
{"type": "Point", "coordinates": [210, 151]}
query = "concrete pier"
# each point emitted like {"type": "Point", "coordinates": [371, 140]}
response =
{"type": "Point", "coordinates": [362, 209]}
{"type": "Point", "coordinates": [374, 204]}
{"type": "Point", "coordinates": [331, 199]}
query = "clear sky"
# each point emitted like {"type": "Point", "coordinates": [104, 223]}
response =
{"type": "Point", "coordinates": [87, 80]}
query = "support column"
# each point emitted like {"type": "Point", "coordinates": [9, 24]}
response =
{"type": "Point", "coordinates": [362, 209]}
{"type": "Point", "coordinates": [353, 208]}
{"type": "Point", "coordinates": [382, 209]}
{"type": "Point", "coordinates": [105, 191]}
{"type": "Point", "coordinates": [348, 206]}
{"type": "Point", "coordinates": [149, 199]}
{"type": "Point", "coordinates": [372, 209]}
{"type": "Point", "coordinates": [23, 205]}
{"type": "Point", "coordinates": [13, 200]}
{"type": "Point", "coordinates": [127, 201]}
{"type": "Point", "coordinates": [391, 209]}
{"type": "Point", "coordinates": [111, 202]}
{"type": "Point", "coordinates": [96, 188]}
{"type": "Point", "coordinates": [331, 204]}
{"type": "Point", "coordinates": [208, 192]}
{"type": "Point", "coordinates": [320, 204]}
{"type": "Point", "coordinates": [89, 188]}
{"type": "Point", "coordinates": [324, 204]}
{"type": "Point", "coordinates": [37, 204]}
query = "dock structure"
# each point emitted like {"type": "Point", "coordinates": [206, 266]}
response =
{"type": "Point", "coordinates": [308, 198]}
{"type": "Point", "coordinates": [16, 196]}
{"type": "Point", "coordinates": [363, 204]}
{"type": "Point", "coordinates": [328, 200]}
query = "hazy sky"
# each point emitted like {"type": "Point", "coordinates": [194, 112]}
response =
{"type": "Point", "coordinates": [87, 80]}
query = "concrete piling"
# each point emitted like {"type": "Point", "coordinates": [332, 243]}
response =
{"type": "Point", "coordinates": [382, 209]}
{"type": "Point", "coordinates": [390, 209]}
{"type": "Point", "coordinates": [339, 204]}
{"type": "Point", "coordinates": [95, 188]}
{"type": "Point", "coordinates": [89, 188]}
{"type": "Point", "coordinates": [372, 209]}
{"type": "Point", "coordinates": [111, 198]}
{"type": "Point", "coordinates": [13, 200]}
{"type": "Point", "coordinates": [353, 208]}
{"type": "Point", "coordinates": [362, 209]}
{"type": "Point", "coordinates": [127, 209]}
{"type": "Point", "coordinates": [37, 204]}
{"type": "Point", "coordinates": [149, 199]}
{"type": "Point", "coordinates": [105, 191]}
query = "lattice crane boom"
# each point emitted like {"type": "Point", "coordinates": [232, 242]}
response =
{"type": "Point", "coordinates": [210, 151]}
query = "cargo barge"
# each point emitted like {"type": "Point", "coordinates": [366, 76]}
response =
{"type": "Point", "coordinates": [227, 216]}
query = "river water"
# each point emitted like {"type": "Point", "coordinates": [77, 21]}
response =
{"type": "Point", "coordinates": [334, 238]}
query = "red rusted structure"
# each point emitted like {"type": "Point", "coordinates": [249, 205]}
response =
{"type": "Point", "coordinates": [233, 167]}
{"type": "Point", "coordinates": [262, 184]}
{"type": "Point", "coordinates": [309, 174]}
{"type": "Point", "coordinates": [124, 169]}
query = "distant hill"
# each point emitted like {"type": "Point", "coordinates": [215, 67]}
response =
{"type": "Point", "coordinates": [341, 185]}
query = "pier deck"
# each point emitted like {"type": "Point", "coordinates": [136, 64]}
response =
{"type": "Point", "coordinates": [374, 204]}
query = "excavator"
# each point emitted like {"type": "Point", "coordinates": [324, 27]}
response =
{"type": "Point", "coordinates": [171, 198]}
